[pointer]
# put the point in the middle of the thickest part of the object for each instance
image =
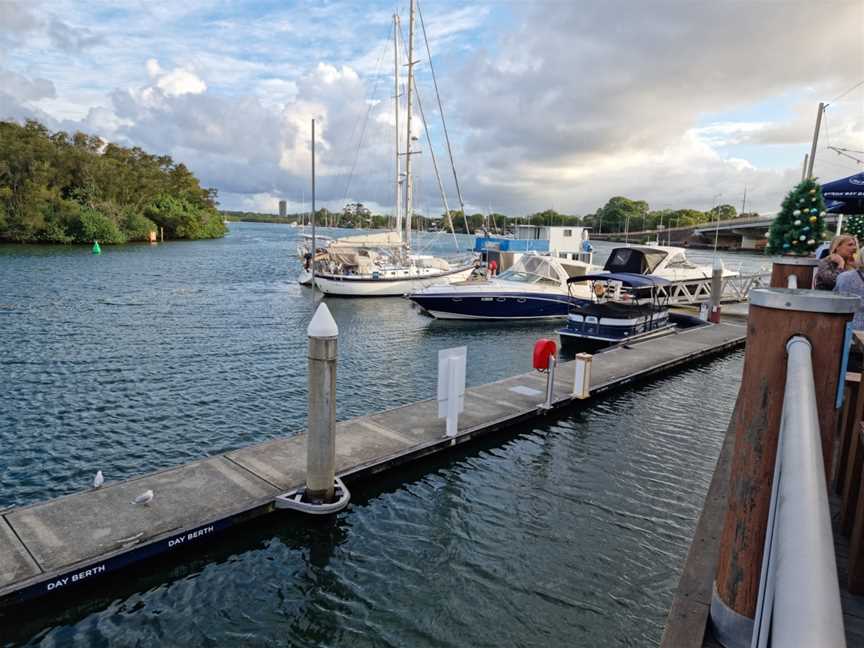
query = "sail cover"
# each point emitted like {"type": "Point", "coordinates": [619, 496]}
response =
{"type": "Point", "coordinates": [845, 196]}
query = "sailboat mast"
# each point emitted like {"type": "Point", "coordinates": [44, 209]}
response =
{"type": "Point", "coordinates": [409, 186]}
{"type": "Point", "coordinates": [398, 193]}
{"type": "Point", "coordinates": [312, 218]}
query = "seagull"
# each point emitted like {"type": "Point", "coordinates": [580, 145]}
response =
{"type": "Point", "coordinates": [144, 498]}
{"type": "Point", "coordinates": [98, 480]}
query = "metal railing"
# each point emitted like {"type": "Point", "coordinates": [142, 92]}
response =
{"type": "Point", "coordinates": [799, 592]}
{"type": "Point", "coordinates": [733, 288]}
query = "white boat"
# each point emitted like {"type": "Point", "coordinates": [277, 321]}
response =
{"type": "Point", "coordinates": [383, 264]}
{"type": "Point", "coordinates": [668, 262]}
{"type": "Point", "coordinates": [535, 287]}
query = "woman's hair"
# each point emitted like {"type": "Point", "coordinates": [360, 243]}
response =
{"type": "Point", "coordinates": [840, 239]}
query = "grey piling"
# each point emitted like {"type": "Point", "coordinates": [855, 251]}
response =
{"type": "Point", "coordinates": [321, 438]}
{"type": "Point", "coordinates": [716, 290]}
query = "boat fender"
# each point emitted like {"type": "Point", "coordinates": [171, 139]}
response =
{"type": "Point", "coordinates": [543, 350]}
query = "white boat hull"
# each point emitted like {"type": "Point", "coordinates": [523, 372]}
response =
{"type": "Point", "coordinates": [305, 278]}
{"type": "Point", "coordinates": [358, 286]}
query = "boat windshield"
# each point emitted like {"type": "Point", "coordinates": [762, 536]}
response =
{"type": "Point", "coordinates": [532, 269]}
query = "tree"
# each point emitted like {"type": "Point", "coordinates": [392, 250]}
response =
{"type": "Point", "coordinates": [854, 225]}
{"type": "Point", "coordinates": [723, 212]}
{"type": "Point", "coordinates": [61, 188]}
{"type": "Point", "coordinates": [800, 225]}
{"type": "Point", "coordinates": [621, 212]}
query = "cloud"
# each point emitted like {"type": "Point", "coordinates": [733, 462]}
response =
{"type": "Point", "coordinates": [176, 82]}
{"type": "Point", "coordinates": [549, 104]}
{"type": "Point", "coordinates": [24, 89]}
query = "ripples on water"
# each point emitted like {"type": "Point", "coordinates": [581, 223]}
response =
{"type": "Point", "coordinates": [570, 533]}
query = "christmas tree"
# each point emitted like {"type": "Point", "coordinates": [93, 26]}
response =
{"type": "Point", "coordinates": [800, 226]}
{"type": "Point", "coordinates": [854, 225]}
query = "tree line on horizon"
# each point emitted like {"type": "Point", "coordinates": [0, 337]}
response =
{"type": "Point", "coordinates": [619, 214]}
{"type": "Point", "coordinates": [57, 187]}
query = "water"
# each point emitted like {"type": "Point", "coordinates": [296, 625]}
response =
{"type": "Point", "coordinates": [569, 533]}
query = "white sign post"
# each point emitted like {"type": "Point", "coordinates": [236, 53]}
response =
{"type": "Point", "coordinates": [451, 386]}
{"type": "Point", "coordinates": [582, 375]}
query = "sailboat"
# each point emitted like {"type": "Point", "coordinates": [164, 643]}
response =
{"type": "Point", "coordinates": [383, 264]}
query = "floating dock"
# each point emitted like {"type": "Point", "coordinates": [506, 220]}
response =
{"type": "Point", "coordinates": [51, 547]}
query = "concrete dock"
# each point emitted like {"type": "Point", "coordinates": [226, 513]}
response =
{"type": "Point", "coordinates": [54, 546]}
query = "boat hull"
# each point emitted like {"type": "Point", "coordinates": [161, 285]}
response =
{"type": "Point", "coordinates": [354, 286]}
{"type": "Point", "coordinates": [501, 306]}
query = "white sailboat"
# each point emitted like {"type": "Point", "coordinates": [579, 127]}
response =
{"type": "Point", "coordinates": [383, 264]}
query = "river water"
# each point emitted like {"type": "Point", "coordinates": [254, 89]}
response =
{"type": "Point", "coordinates": [567, 533]}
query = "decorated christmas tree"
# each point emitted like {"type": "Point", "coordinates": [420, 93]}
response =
{"type": "Point", "coordinates": [800, 226]}
{"type": "Point", "coordinates": [854, 225]}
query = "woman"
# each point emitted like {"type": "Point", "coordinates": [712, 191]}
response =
{"type": "Point", "coordinates": [840, 259]}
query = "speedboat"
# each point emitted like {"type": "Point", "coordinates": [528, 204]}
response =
{"type": "Point", "coordinates": [535, 287]}
{"type": "Point", "coordinates": [668, 262]}
{"type": "Point", "coordinates": [628, 308]}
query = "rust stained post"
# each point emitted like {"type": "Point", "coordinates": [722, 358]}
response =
{"type": "Point", "coordinates": [776, 314]}
{"type": "Point", "coordinates": [802, 267]}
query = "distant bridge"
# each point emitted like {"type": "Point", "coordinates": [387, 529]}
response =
{"type": "Point", "coordinates": [734, 234]}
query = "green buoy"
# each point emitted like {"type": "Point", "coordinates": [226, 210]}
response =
{"type": "Point", "coordinates": [96, 248]}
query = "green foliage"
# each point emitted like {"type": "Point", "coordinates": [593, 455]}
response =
{"type": "Point", "coordinates": [62, 188]}
{"type": "Point", "coordinates": [800, 226]}
{"type": "Point", "coordinates": [854, 225]}
{"type": "Point", "coordinates": [621, 213]}
{"type": "Point", "coordinates": [723, 212]}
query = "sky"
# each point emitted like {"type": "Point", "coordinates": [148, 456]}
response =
{"type": "Point", "coordinates": [548, 104]}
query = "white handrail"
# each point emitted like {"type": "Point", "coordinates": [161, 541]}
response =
{"type": "Point", "coordinates": [799, 594]}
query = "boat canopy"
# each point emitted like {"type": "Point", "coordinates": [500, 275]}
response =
{"type": "Point", "coordinates": [635, 260]}
{"type": "Point", "coordinates": [630, 279]}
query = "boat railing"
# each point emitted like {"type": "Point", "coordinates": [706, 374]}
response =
{"type": "Point", "coordinates": [734, 288]}
{"type": "Point", "coordinates": [799, 593]}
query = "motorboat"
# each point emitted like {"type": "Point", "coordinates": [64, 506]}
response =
{"type": "Point", "coordinates": [627, 308]}
{"type": "Point", "coordinates": [667, 262]}
{"type": "Point", "coordinates": [535, 287]}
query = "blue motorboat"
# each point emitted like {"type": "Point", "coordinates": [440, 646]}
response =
{"type": "Point", "coordinates": [628, 307]}
{"type": "Point", "coordinates": [535, 287]}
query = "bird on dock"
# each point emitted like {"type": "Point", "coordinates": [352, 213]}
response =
{"type": "Point", "coordinates": [98, 480]}
{"type": "Point", "coordinates": [144, 498]}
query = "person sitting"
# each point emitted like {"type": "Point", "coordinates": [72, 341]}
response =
{"type": "Point", "coordinates": [841, 258]}
{"type": "Point", "coordinates": [851, 282]}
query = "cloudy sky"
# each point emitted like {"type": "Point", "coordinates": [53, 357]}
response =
{"type": "Point", "coordinates": [549, 104]}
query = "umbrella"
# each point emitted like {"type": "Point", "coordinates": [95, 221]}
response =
{"type": "Point", "coordinates": [845, 196]}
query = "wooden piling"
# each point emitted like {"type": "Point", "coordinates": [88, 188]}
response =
{"type": "Point", "coordinates": [775, 316]}
{"type": "Point", "coordinates": [856, 541]}
{"type": "Point", "coordinates": [802, 267]}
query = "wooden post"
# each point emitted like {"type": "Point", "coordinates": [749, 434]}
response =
{"type": "Point", "coordinates": [856, 541]}
{"type": "Point", "coordinates": [802, 267]}
{"type": "Point", "coordinates": [776, 314]}
{"type": "Point", "coordinates": [852, 413]}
